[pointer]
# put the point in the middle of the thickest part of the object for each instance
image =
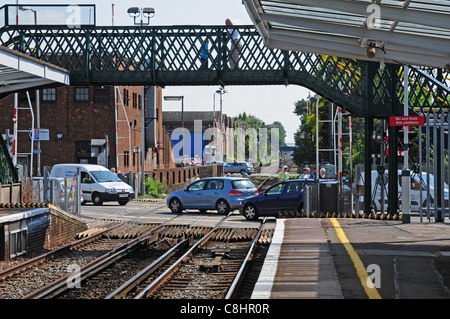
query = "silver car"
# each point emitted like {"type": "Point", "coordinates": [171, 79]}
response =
{"type": "Point", "coordinates": [223, 194]}
{"type": "Point", "coordinates": [238, 167]}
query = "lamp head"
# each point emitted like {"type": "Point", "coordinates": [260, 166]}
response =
{"type": "Point", "coordinates": [133, 11]}
{"type": "Point", "coordinates": [148, 12]}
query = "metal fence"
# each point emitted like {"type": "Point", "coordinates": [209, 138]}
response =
{"type": "Point", "coordinates": [434, 165]}
{"type": "Point", "coordinates": [64, 193]}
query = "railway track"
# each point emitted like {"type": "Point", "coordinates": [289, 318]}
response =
{"type": "Point", "coordinates": [209, 269]}
{"type": "Point", "coordinates": [105, 259]}
{"type": "Point", "coordinates": [24, 278]}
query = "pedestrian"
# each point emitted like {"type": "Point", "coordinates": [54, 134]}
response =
{"type": "Point", "coordinates": [322, 173]}
{"type": "Point", "coordinates": [204, 53]}
{"type": "Point", "coordinates": [314, 174]}
{"type": "Point", "coordinates": [284, 174]}
{"type": "Point", "coordinates": [305, 173]}
{"type": "Point", "coordinates": [113, 170]}
{"type": "Point", "coordinates": [236, 45]}
{"type": "Point", "coordinates": [195, 178]}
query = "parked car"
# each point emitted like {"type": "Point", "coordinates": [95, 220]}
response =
{"type": "Point", "coordinates": [213, 193]}
{"type": "Point", "coordinates": [238, 167]}
{"type": "Point", "coordinates": [418, 190]}
{"type": "Point", "coordinates": [283, 197]}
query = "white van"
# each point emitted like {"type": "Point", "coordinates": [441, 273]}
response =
{"type": "Point", "coordinates": [418, 185]}
{"type": "Point", "coordinates": [98, 183]}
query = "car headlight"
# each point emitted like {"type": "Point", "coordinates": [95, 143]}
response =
{"type": "Point", "coordinates": [110, 190]}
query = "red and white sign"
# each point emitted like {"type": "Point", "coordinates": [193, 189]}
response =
{"type": "Point", "coordinates": [407, 120]}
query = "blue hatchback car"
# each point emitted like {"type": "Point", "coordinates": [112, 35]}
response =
{"type": "Point", "coordinates": [223, 194]}
{"type": "Point", "coordinates": [283, 197]}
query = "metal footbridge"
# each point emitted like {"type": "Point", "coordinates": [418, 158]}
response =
{"type": "Point", "coordinates": [166, 56]}
{"type": "Point", "coordinates": [171, 56]}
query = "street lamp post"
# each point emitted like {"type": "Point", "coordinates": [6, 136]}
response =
{"type": "Point", "coordinates": [221, 91]}
{"type": "Point", "coordinates": [27, 8]}
{"type": "Point", "coordinates": [136, 12]}
{"type": "Point", "coordinates": [38, 101]}
{"type": "Point", "coordinates": [179, 98]}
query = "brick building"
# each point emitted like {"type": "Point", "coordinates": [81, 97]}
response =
{"type": "Point", "coordinates": [76, 115]}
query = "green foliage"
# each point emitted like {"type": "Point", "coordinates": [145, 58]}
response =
{"type": "Point", "coordinates": [305, 145]}
{"type": "Point", "coordinates": [154, 188]}
{"type": "Point", "coordinates": [245, 121]}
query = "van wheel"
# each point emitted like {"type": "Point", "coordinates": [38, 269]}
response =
{"type": "Point", "coordinates": [96, 199]}
{"type": "Point", "coordinates": [123, 202]}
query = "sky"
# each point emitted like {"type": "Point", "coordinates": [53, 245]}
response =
{"type": "Point", "coordinates": [269, 103]}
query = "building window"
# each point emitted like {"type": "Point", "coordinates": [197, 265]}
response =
{"type": "Point", "coordinates": [125, 97]}
{"type": "Point", "coordinates": [101, 95]}
{"type": "Point", "coordinates": [126, 159]}
{"type": "Point", "coordinates": [81, 94]}
{"type": "Point", "coordinates": [134, 101]}
{"type": "Point", "coordinates": [83, 149]}
{"type": "Point", "coordinates": [49, 94]}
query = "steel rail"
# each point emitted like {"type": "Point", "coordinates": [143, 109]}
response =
{"type": "Point", "coordinates": [123, 290]}
{"type": "Point", "coordinates": [40, 259]}
{"type": "Point", "coordinates": [60, 285]}
{"type": "Point", "coordinates": [158, 282]}
{"type": "Point", "coordinates": [243, 267]}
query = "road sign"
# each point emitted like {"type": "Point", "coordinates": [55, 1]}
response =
{"type": "Point", "coordinates": [41, 134]}
{"type": "Point", "coordinates": [406, 120]}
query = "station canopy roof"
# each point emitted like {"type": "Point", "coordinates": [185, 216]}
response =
{"type": "Point", "coordinates": [406, 32]}
{"type": "Point", "coordinates": [20, 72]}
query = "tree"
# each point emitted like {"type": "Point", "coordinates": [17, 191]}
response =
{"type": "Point", "coordinates": [246, 121]}
{"type": "Point", "coordinates": [305, 144]}
{"type": "Point", "coordinates": [281, 130]}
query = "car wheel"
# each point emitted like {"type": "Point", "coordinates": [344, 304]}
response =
{"type": "Point", "coordinates": [123, 202]}
{"type": "Point", "coordinates": [222, 207]}
{"type": "Point", "coordinates": [96, 199]}
{"type": "Point", "coordinates": [250, 212]}
{"type": "Point", "coordinates": [175, 206]}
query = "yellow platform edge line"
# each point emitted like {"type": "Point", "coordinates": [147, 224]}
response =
{"type": "Point", "coordinates": [372, 293]}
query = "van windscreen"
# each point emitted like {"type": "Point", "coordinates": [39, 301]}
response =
{"type": "Point", "coordinates": [105, 176]}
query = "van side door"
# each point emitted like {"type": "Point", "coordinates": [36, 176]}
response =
{"type": "Point", "coordinates": [87, 182]}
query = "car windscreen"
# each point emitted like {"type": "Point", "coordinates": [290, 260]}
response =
{"type": "Point", "coordinates": [105, 176]}
{"type": "Point", "coordinates": [242, 184]}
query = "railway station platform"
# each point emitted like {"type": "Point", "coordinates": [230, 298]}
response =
{"type": "Point", "coordinates": [298, 264]}
{"type": "Point", "coordinates": [349, 258]}
{"type": "Point", "coordinates": [31, 229]}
